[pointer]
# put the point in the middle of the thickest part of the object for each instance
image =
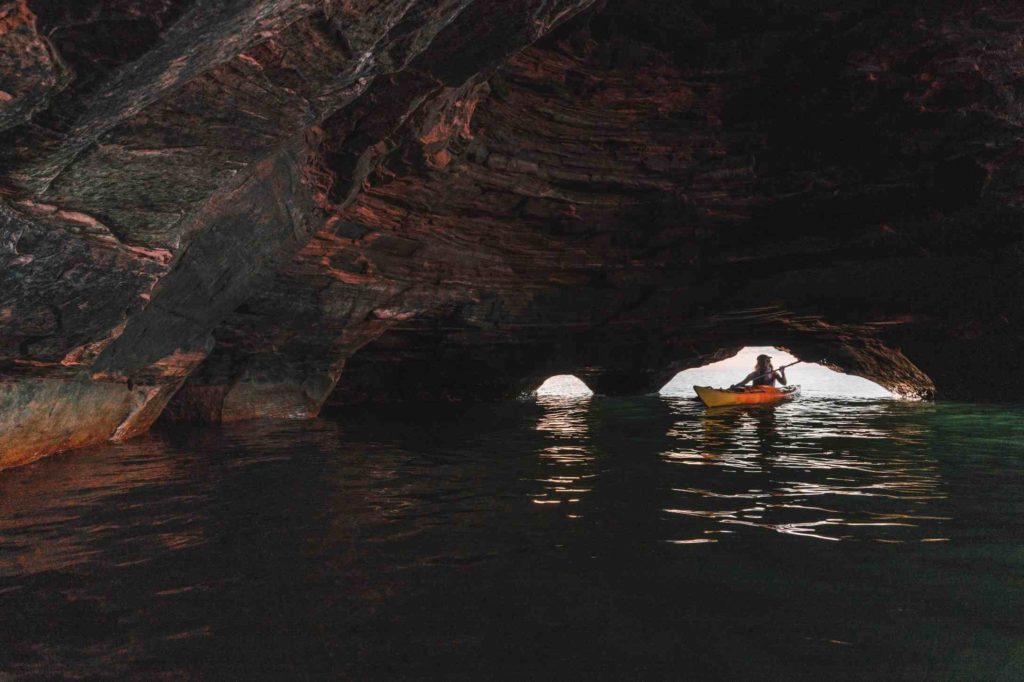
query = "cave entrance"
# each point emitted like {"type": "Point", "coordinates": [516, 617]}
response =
{"type": "Point", "coordinates": [814, 379]}
{"type": "Point", "coordinates": [565, 385]}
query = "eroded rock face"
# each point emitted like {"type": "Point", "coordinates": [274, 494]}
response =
{"type": "Point", "coordinates": [220, 211]}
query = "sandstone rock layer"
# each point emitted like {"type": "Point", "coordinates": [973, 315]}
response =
{"type": "Point", "coordinates": [226, 210]}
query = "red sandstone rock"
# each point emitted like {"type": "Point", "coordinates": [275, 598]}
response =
{"type": "Point", "coordinates": [257, 205]}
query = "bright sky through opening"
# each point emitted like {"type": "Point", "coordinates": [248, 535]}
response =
{"type": "Point", "coordinates": [814, 380]}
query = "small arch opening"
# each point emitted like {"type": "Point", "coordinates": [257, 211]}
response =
{"type": "Point", "coordinates": [813, 379]}
{"type": "Point", "coordinates": [565, 385]}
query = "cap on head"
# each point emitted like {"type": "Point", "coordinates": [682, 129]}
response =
{"type": "Point", "coordinates": [763, 357]}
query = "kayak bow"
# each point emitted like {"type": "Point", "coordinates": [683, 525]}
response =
{"type": "Point", "coordinates": [752, 395]}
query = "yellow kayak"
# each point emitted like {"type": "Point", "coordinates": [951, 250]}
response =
{"type": "Point", "coordinates": [751, 395]}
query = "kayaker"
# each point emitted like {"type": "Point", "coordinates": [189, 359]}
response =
{"type": "Point", "coordinates": [764, 374]}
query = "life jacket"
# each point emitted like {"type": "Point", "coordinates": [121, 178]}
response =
{"type": "Point", "coordinates": [767, 379]}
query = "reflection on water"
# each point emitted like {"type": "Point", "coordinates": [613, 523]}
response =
{"type": "Point", "coordinates": [821, 469]}
{"type": "Point", "coordinates": [558, 539]}
{"type": "Point", "coordinates": [567, 463]}
{"type": "Point", "coordinates": [817, 469]}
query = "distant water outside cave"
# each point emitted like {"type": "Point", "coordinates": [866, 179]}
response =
{"type": "Point", "coordinates": [564, 385]}
{"type": "Point", "coordinates": [813, 379]}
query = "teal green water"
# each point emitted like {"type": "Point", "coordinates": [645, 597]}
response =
{"type": "Point", "coordinates": [568, 538]}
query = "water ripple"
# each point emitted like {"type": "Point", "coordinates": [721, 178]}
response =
{"type": "Point", "coordinates": [453, 542]}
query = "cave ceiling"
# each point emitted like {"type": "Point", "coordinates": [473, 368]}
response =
{"type": "Point", "coordinates": [254, 208]}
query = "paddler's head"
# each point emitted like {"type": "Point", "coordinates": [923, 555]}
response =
{"type": "Point", "coordinates": [764, 362]}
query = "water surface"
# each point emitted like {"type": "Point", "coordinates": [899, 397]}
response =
{"type": "Point", "coordinates": [568, 538]}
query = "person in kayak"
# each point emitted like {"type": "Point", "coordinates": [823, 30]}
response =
{"type": "Point", "coordinates": [764, 374]}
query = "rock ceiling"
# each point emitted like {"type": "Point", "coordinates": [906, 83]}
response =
{"type": "Point", "coordinates": [248, 208]}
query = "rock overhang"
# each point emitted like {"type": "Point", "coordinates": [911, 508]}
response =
{"type": "Point", "coordinates": [391, 201]}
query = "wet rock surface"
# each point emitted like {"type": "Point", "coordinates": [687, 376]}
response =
{"type": "Point", "coordinates": [220, 211]}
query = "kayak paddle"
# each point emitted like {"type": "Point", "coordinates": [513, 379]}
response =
{"type": "Point", "coordinates": [777, 369]}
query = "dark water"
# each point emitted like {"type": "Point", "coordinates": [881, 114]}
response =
{"type": "Point", "coordinates": [569, 539]}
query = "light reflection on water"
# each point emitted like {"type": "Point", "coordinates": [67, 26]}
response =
{"type": "Point", "coordinates": [818, 469]}
{"type": "Point", "coordinates": [567, 463]}
{"type": "Point", "coordinates": [556, 539]}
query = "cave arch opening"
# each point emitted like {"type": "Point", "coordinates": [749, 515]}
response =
{"type": "Point", "coordinates": [564, 385]}
{"type": "Point", "coordinates": [814, 379]}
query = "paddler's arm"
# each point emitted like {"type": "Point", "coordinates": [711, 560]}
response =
{"type": "Point", "coordinates": [781, 375]}
{"type": "Point", "coordinates": [750, 376]}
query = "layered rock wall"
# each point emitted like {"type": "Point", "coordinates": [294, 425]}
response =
{"type": "Point", "coordinates": [218, 211]}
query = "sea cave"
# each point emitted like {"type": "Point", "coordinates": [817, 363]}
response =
{"type": "Point", "coordinates": [378, 227]}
